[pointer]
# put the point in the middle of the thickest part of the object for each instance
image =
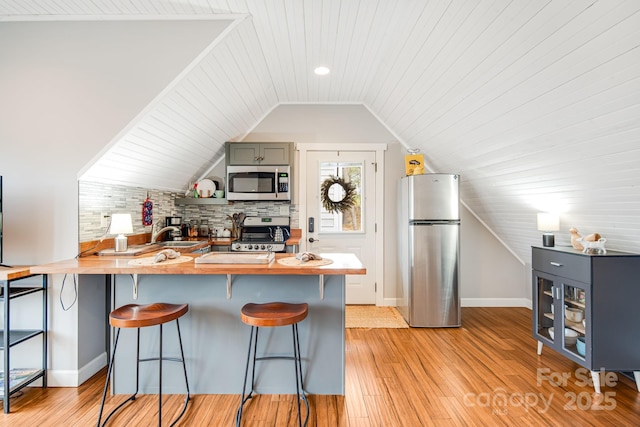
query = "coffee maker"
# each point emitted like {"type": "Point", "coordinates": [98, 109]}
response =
{"type": "Point", "coordinates": [173, 221]}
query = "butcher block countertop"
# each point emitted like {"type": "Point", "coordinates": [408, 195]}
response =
{"type": "Point", "coordinates": [341, 264]}
{"type": "Point", "coordinates": [13, 273]}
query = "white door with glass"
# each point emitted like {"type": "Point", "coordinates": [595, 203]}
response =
{"type": "Point", "coordinates": [344, 230]}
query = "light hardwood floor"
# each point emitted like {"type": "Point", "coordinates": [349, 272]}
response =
{"type": "Point", "coordinates": [484, 373]}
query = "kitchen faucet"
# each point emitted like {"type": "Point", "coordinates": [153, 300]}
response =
{"type": "Point", "coordinates": [155, 234]}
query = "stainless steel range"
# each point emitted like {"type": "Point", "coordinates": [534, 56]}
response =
{"type": "Point", "coordinates": [263, 234]}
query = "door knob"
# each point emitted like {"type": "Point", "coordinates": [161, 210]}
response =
{"type": "Point", "coordinates": [311, 240]}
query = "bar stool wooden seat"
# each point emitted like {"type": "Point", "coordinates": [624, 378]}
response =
{"type": "Point", "coordinates": [273, 314]}
{"type": "Point", "coordinates": [140, 316]}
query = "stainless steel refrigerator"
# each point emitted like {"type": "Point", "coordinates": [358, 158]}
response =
{"type": "Point", "coordinates": [428, 250]}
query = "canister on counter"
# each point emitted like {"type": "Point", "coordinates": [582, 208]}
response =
{"type": "Point", "coordinates": [204, 228]}
{"type": "Point", "coordinates": [193, 228]}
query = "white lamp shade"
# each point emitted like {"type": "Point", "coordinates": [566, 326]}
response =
{"type": "Point", "coordinates": [548, 222]}
{"type": "Point", "coordinates": [121, 224]}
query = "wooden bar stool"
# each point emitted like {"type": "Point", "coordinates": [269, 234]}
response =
{"type": "Point", "coordinates": [140, 316]}
{"type": "Point", "coordinates": [271, 315]}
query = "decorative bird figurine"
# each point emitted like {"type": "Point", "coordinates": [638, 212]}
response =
{"type": "Point", "coordinates": [574, 237]}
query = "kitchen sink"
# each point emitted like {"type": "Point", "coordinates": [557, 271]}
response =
{"type": "Point", "coordinates": [178, 244]}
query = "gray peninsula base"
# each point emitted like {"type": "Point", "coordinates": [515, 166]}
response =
{"type": "Point", "coordinates": [215, 339]}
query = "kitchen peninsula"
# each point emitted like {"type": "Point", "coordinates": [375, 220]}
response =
{"type": "Point", "coordinates": [215, 339]}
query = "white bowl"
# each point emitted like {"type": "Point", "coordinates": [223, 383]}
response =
{"type": "Point", "coordinates": [570, 336]}
{"type": "Point", "coordinates": [574, 314]}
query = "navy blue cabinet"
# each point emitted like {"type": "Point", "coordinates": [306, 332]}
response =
{"type": "Point", "coordinates": [586, 308]}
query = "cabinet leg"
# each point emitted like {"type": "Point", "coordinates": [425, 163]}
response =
{"type": "Point", "coordinates": [595, 375]}
{"type": "Point", "coordinates": [540, 345]}
{"type": "Point", "coordinates": [636, 375]}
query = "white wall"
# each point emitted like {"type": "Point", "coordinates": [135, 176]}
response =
{"type": "Point", "coordinates": [67, 88]}
{"type": "Point", "coordinates": [490, 275]}
{"type": "Point", "coordinates": [394, 170]}
{"type": "Point", "coordinates": [320, 123]}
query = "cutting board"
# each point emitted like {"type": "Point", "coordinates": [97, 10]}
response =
{"type": "Point", "coordinates": [236, 258]}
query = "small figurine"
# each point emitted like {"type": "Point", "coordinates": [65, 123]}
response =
{"type": "Point", "coordinates": [574, 237]}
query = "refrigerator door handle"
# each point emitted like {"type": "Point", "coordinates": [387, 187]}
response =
{"type": "Point", "coordinates": [434, 222]}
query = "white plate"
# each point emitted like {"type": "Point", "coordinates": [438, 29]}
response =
{"type": "Point", "coordinates": [206, 185]}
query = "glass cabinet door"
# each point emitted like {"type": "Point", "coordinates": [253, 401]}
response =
{"type": "Point", "coordinates": [574, 318]}
{"type": "Point", "coordinates": [546, 307]}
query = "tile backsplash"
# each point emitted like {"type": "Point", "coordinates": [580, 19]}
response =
{"type": "Point", "coordinates": [96, 199]}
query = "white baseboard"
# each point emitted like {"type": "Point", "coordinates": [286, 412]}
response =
{"type": "Point", "coordinates": [476, 302]}
{"type": "Point", "coordinates": [71, 378]}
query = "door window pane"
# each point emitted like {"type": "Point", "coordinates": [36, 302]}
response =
{"type": "Point", "coordinates": [352, 219]}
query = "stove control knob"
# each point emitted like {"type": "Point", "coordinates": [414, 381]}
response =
{"type": "Point", "coordinates": [262, 247]}
{"type": "Point", "coordinates": [249, 247]}
{"type": "Point", "coordinates": [236, 246]}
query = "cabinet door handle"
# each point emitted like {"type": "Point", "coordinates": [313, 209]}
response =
{"type": "Point", "coordinates": [555, 264]}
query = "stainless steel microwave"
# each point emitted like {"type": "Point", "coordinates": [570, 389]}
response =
{"type": "Point", "coordinates": [259, 183]}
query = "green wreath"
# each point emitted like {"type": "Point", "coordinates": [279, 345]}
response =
{"type": "Point", "coordinates": [347, 202]}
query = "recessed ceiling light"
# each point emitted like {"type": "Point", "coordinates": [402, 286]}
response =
{"type": "Point", "coordinates": [322, 70]}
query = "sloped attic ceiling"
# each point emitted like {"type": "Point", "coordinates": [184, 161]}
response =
{"type": "Point", "coordinates": [534, 103]}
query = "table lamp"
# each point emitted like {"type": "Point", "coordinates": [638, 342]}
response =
{"type": "Point", "coordinates": [548, 222]}
{"type": "Point", "coordinates": [121, 224]}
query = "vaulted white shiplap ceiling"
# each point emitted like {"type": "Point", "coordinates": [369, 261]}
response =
{"type": "Point", "coordinates": [535, 103]}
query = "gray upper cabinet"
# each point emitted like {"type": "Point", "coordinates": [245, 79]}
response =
{"type": "Point", "coordinates": [263, 153]}
{"type": "Point", "coordinates": [591, 298]}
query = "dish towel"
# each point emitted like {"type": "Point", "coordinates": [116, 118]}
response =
{"type": "Point", "coordinates": [307, 256]}
{"type": "Point", "coordinates": [166, 254]}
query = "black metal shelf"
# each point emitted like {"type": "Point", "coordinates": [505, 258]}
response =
{"type": "Point", "coordinates": [16, 384]}
{"type": "Point", "coordinates": [16, 336]}
{"type": "Point", "coordinates": [13, 380]}
{"type": "Point", "coordinates": [16, 292]}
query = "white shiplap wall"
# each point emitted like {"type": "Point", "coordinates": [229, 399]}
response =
{"type": "Point", "coordinates": [535, 103]}
{"type": "Point", "coordinates": [554, 127]}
